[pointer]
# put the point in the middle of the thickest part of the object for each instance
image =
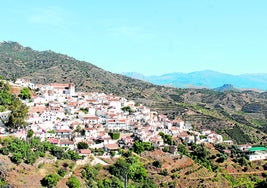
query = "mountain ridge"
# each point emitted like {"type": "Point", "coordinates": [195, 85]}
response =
{"type": "Point", "coordinates": [206, 79]}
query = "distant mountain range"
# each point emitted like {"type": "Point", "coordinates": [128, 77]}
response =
{"type": "Point", "coordinates": [205, 79]}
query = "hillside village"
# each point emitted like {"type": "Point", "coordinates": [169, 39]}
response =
{"type": "Point", "coordinates": [61, 116]}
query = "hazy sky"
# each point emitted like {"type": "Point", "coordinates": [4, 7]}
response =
{"type": "Point", "coordinates": [146, 36]}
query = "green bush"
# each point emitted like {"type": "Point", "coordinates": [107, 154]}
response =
{"type": "Point", "coordinates": [50, 180]}
{"type": "Point", "coordinates": [182, 149]}
{"type": "Point", "coordinates": [114, 135]}
{"type": "Point", "coordinates": [221, 157]}
{"type": "Point", "coordinates": [3, 183]}
{"type": "Point", "coordinates": [166, 138]}
{"type": "Point", "coordinates": [89, 172]}
{"type": "Point", "coordinates": [82, 145]}
{"type": "Point", "coordinates": [166, 149]}
{"type": "Point", "coordinates": [16, 158]}
{"type": "Point", "coordinates": [73, 155]}
{"type": "Point", "coordinates": [30, 133]}
{"type": "Point", "coordinates": [127, 109]}
{"type": "Point", "coordinates": [72, 166]}
{"type": "Point", "coordinates": [31, 157]}
{"type": "Point", "coordinates": [25, 93]}
{"type": "Point", "coordinates": [139, 146]}
{"type": "Point", "coordinates": [175, 175]}
{"type": "Point", "coordinates": [62, 172]}
{"type": "Point", "coordinates": [130, 166]}
{"type": "Point", "coordinates": [4, 150]}
{"type": "Point", "coordinates": [157, 164]}
{"type": "Point", "coordinates": [110, 182]}
{"type": "Point", "coordinates": [164, 172]}
{"type": "Point", "coordinates": [84, 110]}
{"type": "Point", "coordinates": [73, 182]}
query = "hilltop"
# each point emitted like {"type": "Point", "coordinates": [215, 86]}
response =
{"type": "Point", "coordinates": [225, 87]}
{"type": "Point", "coordinates": [46, 67]}
{"type": "Point", "coordinates": [238, 115]}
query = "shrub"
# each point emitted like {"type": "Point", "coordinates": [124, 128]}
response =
{"type": "Point", "coordinates": [30, 133]}
{"type": "Point", "coordinates": [84, 110]}
{"type": "Point", "coordinates": [31, 157]}
{"type": "Point", "coordinates": [4, 150]}
{"type": "Point", "coordinates": [50, 180]}
{"type": "Point", "coordinates": [115, 135]}
{"type": "Point", "coordinates": [82, 145]}
{"type": "Point", "coordinates": [73, 182]}
{"type": "Point", "coordinates": [61, 172]}
{"type": "Point", "coordinates": [127, 109]}
{"type": "Point", "coordinates": [164, 172]}
{"type": "Point", "coordinates": [41, 154]}
{"type": "Point", "coordinates": [175, 175]}
{"type": "Point", "coordinates": [222, 157]}
{"type": "Point", "coordinates": [73, 155]}
{"type": "Point", "coordinates": [157, 164]}
{"type": "Point", "coordinates": [166, 138]}
{"type": "Point", "coordinates": [89, 172]}
{"type": "Point", "coordinates": [72, 166]}
{"type": "Point", "coordinates": [139, 146]}
{"type": "Point", "coordinates": [16, 158]}
{"type": "Point", "coordinates": [3, 183]}
{"type": "Point", "coordinates": [166, 149]}
{"type": "Point", "coordinates": [25, 93]}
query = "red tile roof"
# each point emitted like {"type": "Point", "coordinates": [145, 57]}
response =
{"type": "Point", "coordinates": [36, 109]}
{"type": "Point", "coordinates": [85, 151]}
{"type": "Point", "coordinates": [66, 142]}
{"type": "Point", "coordinates": [53, 140]}
{"type": "Point", "coordinates": [112, 146]}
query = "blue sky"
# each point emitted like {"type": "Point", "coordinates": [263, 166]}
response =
{"type": "Point", "coordinates": [145, 36]}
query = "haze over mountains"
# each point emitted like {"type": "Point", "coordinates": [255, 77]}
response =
{"type": "Point", "coordinates": [205, 79]}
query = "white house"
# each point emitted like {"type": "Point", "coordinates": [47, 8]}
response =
{"type": "Point", "coordinates": [257, 153]}
{"type": "Point", "coordinates": [67, 143]}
